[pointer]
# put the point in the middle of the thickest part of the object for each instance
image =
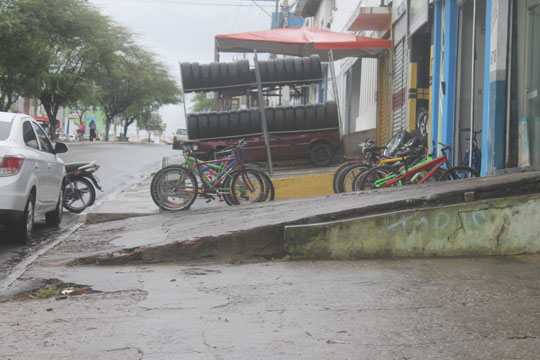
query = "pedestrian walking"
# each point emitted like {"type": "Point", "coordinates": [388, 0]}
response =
{"type": "Point", "coordinates": [92, 127]}
{"type": "Point", "coordinates": [82, 130]}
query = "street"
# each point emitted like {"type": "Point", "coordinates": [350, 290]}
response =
{"type": "Point", "coordinates": [121, 166]}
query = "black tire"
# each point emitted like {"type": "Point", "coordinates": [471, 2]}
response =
{"type": "Point", "coordinates": [214, 75]}
{"type": "Point", "coordinates": [320, 116]}
{"type": "Point", "coordinates": [227, 194]}
{"type": "Point", "coordinates": [422, 120]}
{"type": "Point", "coordinates": [204, 131]}
{"type": "Point", "coordinates": [187, 77]}
{"type": "Point", "coordinates": [459, 173]}
{"type": "Point", "coordinates": [213, 125]}
{"type": "Point", "coordinates": [234, 76]}
{"type": "Point", "coordinates": [298, 69]}
{"type": "Point", "coordinates": [224, 74]}
{"type": "Point", "coordinates": [308, 69]}
{"type": "Point", "coordinates": [280, 70]}
{"type": "Point", "coordinates": [348, 176]}
{"type": "Point", "coordinates": [244, 73]}
{"type": "Point", "coordinates": [263, 71]}
{"type": "Point", "coordinates": [272, 72]}
{"type": "Point", "coordinates": [196, 76]}
{"type": "Point", "coordinates": [301, 119]}
{"type": "Point", "coordinates": [174, 188]}
{"type": "Point", "coordinates": [290, 119]}
{"type": "Point", "coordinates": [316, 67]}
{"type": "Point", "coordinates": [332, 119]}
{"type": "Point", "coordinates": [270, 120]}
{"type": "Point", "coordinates": [54, 218]}
{"type": "Point", "coordinates": [255, 121]}
{"type": "Point", "coordinates": [311, 117]}
{"type": "Point", "coordinates": [205, 77]}
{"type": "Point", "coordinates": [248, 187]}
{"type": "Point", "coordinates": [24, 227]}
{"type": "Point", "coordinates": [224, 124]}
{"type": "Point", "coordinates": [366, 180]}
{"type": "Point", "coordinates": [193, 126]}
{"type": "Point", "coordinates": [234, 123]}
{"type": "Point", "coordinates": [79, 194]}
{"type": "Point", "coordinates": [321, 154]}
{"type": "Point", "coordinates": [279, 118]}
{"type": "Point", "coordinates": [289, 69]}
{"type": "Point", "coordinates": [245, 124]}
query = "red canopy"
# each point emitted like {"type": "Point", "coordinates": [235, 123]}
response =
{"type": "Point", "coordinates": [303, 41]}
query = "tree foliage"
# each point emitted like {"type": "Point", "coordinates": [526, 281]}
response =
{"type": "Point", "coordinates": [202, 103]}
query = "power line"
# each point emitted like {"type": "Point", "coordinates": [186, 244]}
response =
{"type": "Point", "coordinates": [260, 7]}
{"type": "Point", "coordinates": [191, 3]}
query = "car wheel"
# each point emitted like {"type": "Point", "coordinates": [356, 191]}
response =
{"type": "Point", "coordinates": [321, 154]}
{"type": "Point", "coordinates": [54, 218]}
{"type": "Point", "coordinates": [24, 227]}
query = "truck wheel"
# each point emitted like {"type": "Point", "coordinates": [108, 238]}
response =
{"type": "Point", "coordinates": [320, 116]}
{"type": "Point", "coordinates": [321, 154]}
{"type": "Point", "coordinates": [280, 70]}
{"type": "Point", "coordinates": [255, 121]}
{"type": "Point", "coordinates": [263, 71]}
{"type": "Point", "coordinates": [243, 68]}
{"type": "Point", "coordinates": [271, 68]}
{"type": "Point", "coordinates": [214, 75]}
{"type": "Point", "coordinates": [244, 122]}
{"type": "Point", "coordinates": [279, 118]}
{"type": "Point", "coordinates": [224, 124]}
{"type": "Point", "coordinates": [298, 69]}
{"type": "Point", "coordinates": [290, 120]}
{"type": "Point", "coordinates": [289, 69]}
{"type": "Point", "coordinates": [311, 119]}
{"type": "Point", "coordinates": [205, 76]}
{"type": "Point", "coordinates": [213, 125]}
{"type": "Point", "coordinates": [270, 119]}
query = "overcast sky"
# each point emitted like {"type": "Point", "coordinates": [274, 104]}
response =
{"type": "Point", "coordinates": [183, 31]}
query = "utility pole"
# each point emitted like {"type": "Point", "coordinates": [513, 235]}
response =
{"type": "Point", "coordinates": [276, 23]}
{"type": "Point", "coordinates": [285, 13]}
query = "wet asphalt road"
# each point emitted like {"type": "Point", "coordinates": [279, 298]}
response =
{"type": "Point", "coordinates": [121, 165]}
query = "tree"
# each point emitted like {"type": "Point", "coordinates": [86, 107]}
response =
{"type": "Point", "coordinates": [202, 103]}
{"type": "Point", "coordinates": [134, 79]}
{"type": "Point", "coordinates": [20, 73]}
{"type": "Point", "coordinates": [150, 121]}
{"type": "Point", "coordinates": [72, 31]}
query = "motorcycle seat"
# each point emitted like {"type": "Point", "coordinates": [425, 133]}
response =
{"type": "Point", "coordinates": [71, 167]}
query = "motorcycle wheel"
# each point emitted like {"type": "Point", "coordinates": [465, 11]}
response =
{"type": "Point", "coordinates": [79, 195]}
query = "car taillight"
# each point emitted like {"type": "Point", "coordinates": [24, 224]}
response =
{"type": "Point", "coordinates": [11, 165]}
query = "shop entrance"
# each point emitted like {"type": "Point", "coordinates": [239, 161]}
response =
{"type": "Point", "coordinates": [470, 80]}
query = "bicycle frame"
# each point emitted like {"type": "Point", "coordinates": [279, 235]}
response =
{"type": "Point", "coordinates": [433, 165]}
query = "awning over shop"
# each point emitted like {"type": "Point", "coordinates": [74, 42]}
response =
{"type": "Point", "coordinates": [303, 41]}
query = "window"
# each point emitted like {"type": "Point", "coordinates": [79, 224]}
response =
{"type": "Point", "coordinates": [29, 136]}
{"type": "Point", "coordinates": [5, 129]}
{"type": "Point", "coordinates": [43, 139]}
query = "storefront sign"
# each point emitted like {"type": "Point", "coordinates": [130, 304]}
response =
{"type": "Point", "coordinates": [418, 15]}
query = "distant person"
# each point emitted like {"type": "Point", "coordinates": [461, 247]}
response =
{"type": "Point", "coordinates": [92, 127]}
{"type": "Point", "coordinates": [82, 130]}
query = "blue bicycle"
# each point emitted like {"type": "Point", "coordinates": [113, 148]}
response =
{"type": "Point", "coordinates": [476, 153]}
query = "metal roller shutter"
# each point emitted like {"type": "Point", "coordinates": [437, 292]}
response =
{"type": "Point", "coordinates": [399, 94]}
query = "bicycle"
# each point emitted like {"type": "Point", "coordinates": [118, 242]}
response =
{"type": "Point", "coordinates": [427, 170]}
{"type": "Point", "coordinates": [176, 187]}
{"type": "Point", "coordinates": [476, 153]}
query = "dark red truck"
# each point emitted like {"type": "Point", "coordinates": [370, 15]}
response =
{"type": "Point", "coordinates": [295, 132]}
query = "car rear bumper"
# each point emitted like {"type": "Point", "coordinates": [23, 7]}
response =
{"type": "Point", "coordinates": [13, 194]}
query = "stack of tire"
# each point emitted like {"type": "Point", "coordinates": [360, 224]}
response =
{"type": "Point", "coordinates": [278, 72]}
{"type": "Point", "coordinates": [210, 125]}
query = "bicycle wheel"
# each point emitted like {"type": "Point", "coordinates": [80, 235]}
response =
{"type": "Point", "coordinates": [174, 188]}
{"type": "Point", "coordinates": [368, 180]}
{"type": "Point", "coordinates": [79, 195]}
{"type": "Point", "coordinates": [459, 173]}
{"type": "Point", "coordinates": [348, 175]}
{"type": "Point", "coordinates": [247, 187]}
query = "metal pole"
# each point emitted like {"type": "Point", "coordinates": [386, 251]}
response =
{"type": "Point", "coordinates": [472, 84]}
{"type": "Point", "coordinates": [276, 24]}
{"type": "Point", "coordinates": [334, 86]}
{"type": "Point", "coordinates": [285, 13]}
{"type": "Point", "coordinates": [263, 112]}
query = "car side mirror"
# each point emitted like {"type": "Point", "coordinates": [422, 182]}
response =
{"type": "Point", "coordinates": [60, 148]}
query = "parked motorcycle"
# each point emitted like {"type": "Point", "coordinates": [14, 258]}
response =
{"type": "Point", "coordinates": [81, 186]}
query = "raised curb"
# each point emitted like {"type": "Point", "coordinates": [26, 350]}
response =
{"type": "Point", "coordinates": [303, 186]}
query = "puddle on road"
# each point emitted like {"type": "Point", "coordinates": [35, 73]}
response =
{"type": "Point", "coordinates": [53, 288]}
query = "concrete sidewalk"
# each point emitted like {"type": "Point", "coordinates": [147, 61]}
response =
{"type": "Point", "coordinates": [225, 288]}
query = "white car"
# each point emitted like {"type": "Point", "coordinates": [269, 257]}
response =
{"type": "Point", "coordinates": [32, 176]}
